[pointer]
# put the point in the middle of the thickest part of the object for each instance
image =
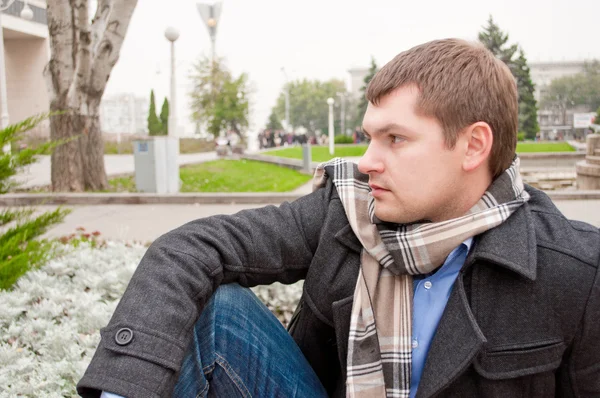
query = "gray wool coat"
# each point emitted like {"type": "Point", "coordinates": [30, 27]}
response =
{"type": "Point", "coordinates": [523, 318]}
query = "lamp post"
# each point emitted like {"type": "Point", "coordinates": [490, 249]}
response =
{"type": "Point", "coordinates": [27, 14]}
{"type": "Point", "coordinates": [330, 102]}
{"type": "Point", "coordinates": [343, 112]}
{"type": "Point", "coordinates": [210, 14]}
{"type": "Point", "coordinates": [287, 99]}
{"type": "Point", "coordinates": [172, 35]}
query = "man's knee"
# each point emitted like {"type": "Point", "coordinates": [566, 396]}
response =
{"type": "Point", "coordinates": [232, 298]}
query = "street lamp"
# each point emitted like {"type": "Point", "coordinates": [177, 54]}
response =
{"type": "Point", "coordinates": [210, 14]}
{"type": "Point", "coordinates": [330, 102]}
{"type": "Point", "coordinates": [287, 99]}
{"type": "Point", "coordinates": [172, 35]}
{"type": "Point", "coordinates": [26, 13]}
{"type": "Point", "coordinates": [343, 112]}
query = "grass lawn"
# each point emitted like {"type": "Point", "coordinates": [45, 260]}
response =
{"type": "Point", "coordinates": [523, 147]}
{"type": "Point", "coordinates": [321, 153]}
{"type": "Point", "coordinates": [229, 176]}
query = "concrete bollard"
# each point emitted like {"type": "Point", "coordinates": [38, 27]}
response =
{"type": "Point", "coordinates": [306, 159]}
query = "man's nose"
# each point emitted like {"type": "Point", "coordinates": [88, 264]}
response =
{"type": "Point", "coordinates": [371, 161]}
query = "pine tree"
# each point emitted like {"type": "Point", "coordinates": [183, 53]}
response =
{"type": "Point", "coordinates": [362, 105]}
{"type": "Point", "coordinates": [528, 123]}
{"type": "Point", "coordinates": [154, 124]}
{"type": "Point", "coordinates": [164, 117]}
{"type": "Point", "coordinates": [497, 42]}
{"type": "Point", "coordinates": [20, 246]}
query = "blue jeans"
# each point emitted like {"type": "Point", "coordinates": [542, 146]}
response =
{"type": "Point", "coordinates": [241, 350]}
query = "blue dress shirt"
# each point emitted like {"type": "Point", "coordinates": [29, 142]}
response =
{"type": "Point", "coordinates": [430, 299]}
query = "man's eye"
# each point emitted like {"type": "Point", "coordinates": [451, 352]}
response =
{"type": "Point", "coordinates": [396, 139]}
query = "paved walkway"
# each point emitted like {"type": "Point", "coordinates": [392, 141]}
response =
{"type": "Point", "coordinates": [579, 146]}
{"type": "Point", "coordinates": [147, 222]}
{"type": "Point", "coordinates": [38, 174]}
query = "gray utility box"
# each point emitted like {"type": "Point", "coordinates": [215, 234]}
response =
{"type": "Point", "coordinates": [156, 167]}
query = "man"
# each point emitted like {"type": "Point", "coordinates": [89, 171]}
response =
{"type": "Point", "coordinates": [429, 271]}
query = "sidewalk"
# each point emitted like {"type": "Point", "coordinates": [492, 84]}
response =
{"type": "Point", "coordinates": [579, 146]}
{"type": "Point", "coordinates": [147, 222]}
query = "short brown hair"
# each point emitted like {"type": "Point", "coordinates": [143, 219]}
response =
{"type": "Point", "coordinates": [460, 83]}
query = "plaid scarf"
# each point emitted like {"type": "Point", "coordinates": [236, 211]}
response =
{"type": "Point", "coordinates": [379, 345]}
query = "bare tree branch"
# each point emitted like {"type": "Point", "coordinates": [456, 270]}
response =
{"type": "Point", "coordinates": [99, 22]}
{"type": "Point", "coordinates": [107, 53]}
{"type": "Point", "coordinates": [84, 44]}
{"type": "Point", "coordinates": [61, 66]}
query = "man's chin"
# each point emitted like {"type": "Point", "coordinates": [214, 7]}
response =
{"type": "Point", "coordinates": [393, 216]}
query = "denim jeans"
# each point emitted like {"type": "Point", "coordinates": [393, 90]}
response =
{"type": "Point", "coordinates": [241, 350]}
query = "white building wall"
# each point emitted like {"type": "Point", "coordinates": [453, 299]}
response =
{"type": "Point", "coordinates": [25, 60]}
{"type": "Point", "coordinates": [124, 114]}
{"type": "Point", "coordinates": [357, 77]}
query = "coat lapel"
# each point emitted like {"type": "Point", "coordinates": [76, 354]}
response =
{"type": "Point", "coordinates": [458, 338]}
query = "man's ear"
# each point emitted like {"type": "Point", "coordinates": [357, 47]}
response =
{"type": "Point", "coordinates": [479, 140]}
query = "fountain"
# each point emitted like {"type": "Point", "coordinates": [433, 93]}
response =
{"type": "Point", "coordinates": [588, 170]}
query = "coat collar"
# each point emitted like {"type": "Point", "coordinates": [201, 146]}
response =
{"type": "Point", "coordinates": [511, 245]}
{"type": "Point", "coordinates": [458, 338]}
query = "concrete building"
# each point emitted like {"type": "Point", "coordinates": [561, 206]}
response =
{"type": "Point", "coordinates": [124, 114]}
{"type": "Point", "coordinates": [542, 73]}
{"type": "Point", "coordinates": [556, 120]}
{"type": "Point", "coordinates": [26, 53]}
{"type": "Point", "coordinates": [357, 77]}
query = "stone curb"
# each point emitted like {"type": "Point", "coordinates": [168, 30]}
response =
{"type": "Point", "coordinates": [573, 195]}
{"type": "Point", "coordinates": [92, 199]}
{"type": "Point", "coordinates": [295, 164]}
{"type": "Point", "coordinates": [552, 155]}
{"type": "Point", "coordinates": [197, 198]}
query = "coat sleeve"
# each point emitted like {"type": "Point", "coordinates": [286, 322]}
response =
{"type": "Point", "coordinates": [584, 366]}
{"type": "Point", "coordinates": [142, 347]}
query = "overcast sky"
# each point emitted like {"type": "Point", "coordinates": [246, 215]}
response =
{"type": "Point", "coordinates": [322, 39]}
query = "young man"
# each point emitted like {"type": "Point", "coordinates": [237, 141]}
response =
{"type": "Point", "coordinates": [429, 270]}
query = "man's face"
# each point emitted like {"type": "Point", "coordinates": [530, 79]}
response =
{"type": "Point", "coordinates": [412, 174]}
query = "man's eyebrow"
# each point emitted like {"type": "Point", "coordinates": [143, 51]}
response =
{"type": "Point", "coordinates": [385, 129]}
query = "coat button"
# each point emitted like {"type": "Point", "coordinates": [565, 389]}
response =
{"type": "Point", "coordinates": [124, 336]}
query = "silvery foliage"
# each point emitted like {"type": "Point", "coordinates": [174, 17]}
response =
{"type": "Point", "coordinates": [49, 323]}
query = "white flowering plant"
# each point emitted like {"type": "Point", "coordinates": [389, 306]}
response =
{"type": "Point", "coordinates": [50, 320]}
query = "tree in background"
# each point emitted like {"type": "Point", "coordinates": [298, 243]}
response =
{"type": "Point", "coordinates": [219, 100]}
{"type": "Point", "coordinates": [528, 123]}
{"type": "Point", "coordinates": [497, 42]}
{"type": "Point", "coordinates": [362, 104]}
{"type": "Point", "coordinates": [274, 122]}
{"type": "Point", "coordinates": [83, 52]}
{"type": "Point", "coordinates": [20, 246]}
{"type": "Point", "coordinates": [164, 117]}
{"type": "Point", "coordinates": [308, 103]}
{"type": "Point", "coordinates": [154, 124]}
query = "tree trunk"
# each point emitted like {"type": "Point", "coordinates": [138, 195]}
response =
{"type": "Point", "coordinates": [82, 57]}
{"type": "Point", "coordinates": [77, 165]}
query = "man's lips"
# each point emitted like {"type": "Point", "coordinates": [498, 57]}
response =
{"type": "Point", "coordinates": [377, 190]}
